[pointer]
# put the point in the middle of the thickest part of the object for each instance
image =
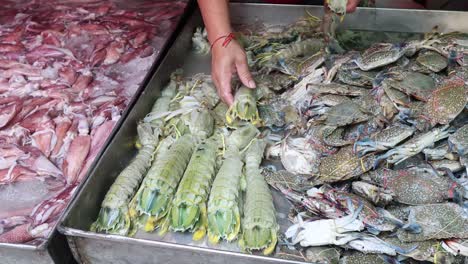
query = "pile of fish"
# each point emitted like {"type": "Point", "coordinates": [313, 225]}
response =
{"type": "Point", "coordinates": [369, 146]}
{"type": "Point", "coordinates": [67, 72]}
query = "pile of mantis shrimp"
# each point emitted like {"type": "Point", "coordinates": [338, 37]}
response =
{"type": "Point", "coordinates": [190, 174]}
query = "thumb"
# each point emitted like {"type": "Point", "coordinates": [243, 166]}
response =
{"type": "Point", "coordinates": [244, 74]}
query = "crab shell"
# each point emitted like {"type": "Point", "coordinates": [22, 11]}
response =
{"type": "Point", "coordinates": [447, 102]}
{"type": "Point", "coordinates": [344, 165]}
{"type": "Point", "coordinates": [438, 221]}
{"type": "Point", "coordinates": [422, 250]}
{"type": "Point", "coordinates": [323, 254]}
{"type": "Point", "coordinates": [362, 258]}
{"type": "Point", "coordinates": [412, 187]}
{"type": "Point", "coordinates": [415, 84]}
{"type": "Point", "coordinates": [432, 61]}
{"type": "Point", "coordinates": [380, 55]}
{"type": "Point", "coordinates": [458, 141]}
{"type": "Point", "coordinates": [343, 114]}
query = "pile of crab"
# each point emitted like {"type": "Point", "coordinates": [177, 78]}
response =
{"type": "Point", "coordinates": [370, 146]}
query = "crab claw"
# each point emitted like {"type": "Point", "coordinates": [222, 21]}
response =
{"type": "Point", "coordinates": [412, 226]}
{"type": "Point", "coordinates": [382, 157]}
{"type": "Point", "coordinates": [455, 193]}
{"type": "Point", "coordinates": [389, 259]}
{"type": "Point", "coordinates": [367, 144]}
{"type": "Point", "coordinates": [402, 251]}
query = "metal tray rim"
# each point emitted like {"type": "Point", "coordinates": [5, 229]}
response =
{"type": "Point", "coordinates": [359, 8]}
{"type": "Point", "coordinates": [138, 241]}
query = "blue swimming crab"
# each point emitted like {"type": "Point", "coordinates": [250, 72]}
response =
{"type": "Point", "coordinates": [458, 141]}
{"type": "Point", "coordinates": [380, 55]}
{"type": "Point", "coordinates": [446, 102]}
{"type": "Point", "coordinates": [356, 77]}
{"type": "Point", "coordinates": [383, 140]}
{"type": "Point", "coordinates": [442, 151]}
{"type": "Point", "coordinates": [410, 186]}
{"type": "Point", "coordinates": [375, 219]}
{"type": "Point", "coordinates": [343, 114]}
{"type": "Point", "coordinates": [432, 60]}
{"type": "Point", "coordinates": [414, 84]}
{"type": "Point", "coordinates": [438, 221]}
{"type": "Point", "coordinates": [344, 165]}
{"type": "Point", "coordinates": [325, 231]}
{"type": "Point", "coordinates": [414, 146]}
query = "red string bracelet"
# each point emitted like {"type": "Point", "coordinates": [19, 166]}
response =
{"type": "Point", "coordinates": [228, 38]}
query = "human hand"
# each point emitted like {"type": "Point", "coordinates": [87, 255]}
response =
{"type": "Point", "coordinates": [226, 61]}
{"type": "Point", "coordinates": [352, 5]}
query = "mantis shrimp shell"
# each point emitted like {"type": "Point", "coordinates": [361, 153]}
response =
{"type": "Point", "coordinates": [223, 205]}
{"type": "Point", "coordinates": [158, 188]}
{"type": "Point", "coordinates": [114, 217]}
{"type": "Point", "coordinates": [244, 107]}
{"type": "Point", "coordinates": [259, 227]}
{"type": "Point", "coordinates": [188, 210]}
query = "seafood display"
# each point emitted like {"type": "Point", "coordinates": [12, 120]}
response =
{"type": "Point", "coordinates": [368, 147]}
{"type": "Point", "coordinates": [68, 70]}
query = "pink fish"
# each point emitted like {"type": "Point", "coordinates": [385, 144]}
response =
{"type": "Point", "coordinates": [113, 52]}
{"type": "Point", "coordinates": [141, 52]}
{"type": "Point", "coordinates": [13, 37]}
{"type": "Point", "coordinates": [82, 82]}
{"type": "Point", "coordinates": [44, 138]}
{"type": "Point", "coordinates": [16, 173]}
{"type": "Point", "coordinates": [26, 71]}
{"type": "Point", "coordinates": [19, 234]}
{"type": "Point", "coordinates": [139, 39]}
{"type": "Point", "coordinates": [39, 163]}
{"type": "Point", "coordinates": [51, 208]}
{"type": "Point", "coordinates": [68, 74]}
{"type": "Point", "coordinates": [98, 56]}
{"type": "Point", "coordinates": [77, 152]}
{"type": "Point", "coordinates": [11, 48]}
{"type": "Point", "coordinates": [9, 111]}
{"type": "Point", "coordinates": [99, 136]}
{"type": "Point", "coordinates": [62, 125]}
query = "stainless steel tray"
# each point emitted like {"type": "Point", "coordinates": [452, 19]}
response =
{"type": "Point", "coordinates": [89, 247]}
{"type": "Point", "coordinates": [56, 249]}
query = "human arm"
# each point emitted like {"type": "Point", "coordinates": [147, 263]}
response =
{"type": "Point", "coordinates": [226, 60]}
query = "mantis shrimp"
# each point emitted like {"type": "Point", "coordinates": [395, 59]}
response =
{"type": "Point", "coordinates": [114, 215]}
{"type": "Point", "coordinates": [151, 202]}
{"type": "Point", "coordinates": [223, 203]}
{"type": "Point", "coordinates": [259, 226]}
{"type": "Point", "coordinates": [188, 210]}
{"type": "Point", "coordinates": [244, 107]}
{"type": "Point", "coordinates": [161, 106]}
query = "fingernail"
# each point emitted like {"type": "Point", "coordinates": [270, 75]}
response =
{"type": "Point", "coordinates": [251, 84]}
